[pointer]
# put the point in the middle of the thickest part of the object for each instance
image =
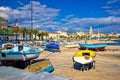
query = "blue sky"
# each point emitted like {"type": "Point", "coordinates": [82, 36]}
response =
{"type": "Point", "coordinates": [69, 15]}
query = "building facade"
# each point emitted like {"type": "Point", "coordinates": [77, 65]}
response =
{"type": "Point", "coordinates": [3, 22]}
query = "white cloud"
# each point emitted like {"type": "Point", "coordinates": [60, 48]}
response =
{"type": "Point", "coordinates": [112, 1]}
{"type": "Point", "coordinates": [98, 21]}
{"type": "Point", "coordinates": [83, 24]}
{"type": "Point", "coordinates": [112, 7]}
{"type": "Point", "coordinates": [4, 12]}
{"type": "Point", "coordinates": [44, 18]}
{"type": "Point", "coordinates": [41, 14]}
{"type": "Point", "coordinates": [110, 28]}
{"type": "Point", "coordinates": [114, 12]}
{"type": "Point", "coordinates": [20, 2]}
{"type": "Point", "coordinates": [106, 7]}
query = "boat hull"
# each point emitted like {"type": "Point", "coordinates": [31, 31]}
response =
{"type": "Point", "coordinates": [19, 56]}
{"type": "Point", "coordinates": [94, 47]}
{"type": "Point", "coordinates": [52, 46]}
{"type": "Point", "coordinates": [83, 60]}
{"type": "Point", "coordinates": [20, 53]}
{"type": "Point", "coordinates": [40, 66]}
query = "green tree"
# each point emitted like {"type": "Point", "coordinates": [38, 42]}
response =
{"type": "Point", "coordinates": [10, 31]}
{"type": "Point", "coordinates": [0, 29]}
{"type": "Point", "coordinates": [46, 34]}
{"type": "Point", "coordinates": [42, 35]}
{"type": "Point", "coordinates": [35, 31]}
{"type": "Point", "coordinates": [16, 30]}
{"type": "Point", "coordinates": [39, 35]}
{"type": "Point", "coordinates": [29, 32]}
{"type": "Point", "coordinates": [23, 30]}
{"type": "Point", "coordinates": [5, 30]}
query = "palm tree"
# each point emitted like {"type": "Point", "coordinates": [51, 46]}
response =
{"type": "Point", "coordinates": [29, 32]}
{"type": "Point", "coordinates": [0, 29]}
{"type": "Point", "coordinates": [35, 31]}
{"type": "Point", "coordinates": [46, 34]}
{"type": "Point", "coordinates": [42, 35]}
{"type": "Point", "coordinates": [16, 30]}
{"type": "Point", "coordinates": [39, 35]}
{"type": "Point", "coordinates": [23, 31]}
{"type": "Point", "coordinates": [6, 30]}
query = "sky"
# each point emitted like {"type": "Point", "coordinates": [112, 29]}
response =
{"type": "Point", "coordinates": [69, 15]}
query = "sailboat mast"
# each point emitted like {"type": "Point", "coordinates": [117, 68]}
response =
{"type": "Point", "coordinates": [31, 5]}
{"type": "Point", "coordinates": [98, 35]}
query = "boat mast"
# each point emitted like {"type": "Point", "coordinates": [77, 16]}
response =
{"type": "Point", "coordinates": [31, 5]}
{"type": "Point", "coordinates": [98, 35]}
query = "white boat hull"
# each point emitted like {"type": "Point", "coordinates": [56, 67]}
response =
{"type": "Point", "coordinates": [22, 57]}
{"type": "Point", "coordinates": [82, 60]}
{"type": "Point", "coordinates": [72, 46]}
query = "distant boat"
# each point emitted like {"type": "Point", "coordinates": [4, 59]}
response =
{"type": "Point", "coordinates": [52, 46]}
{"type": "Point", "coordinates": [94, 47]}
{"type": "Point", "coordinates": [20, 53]}
{"type": "Point", "coordinates": [84, 59]}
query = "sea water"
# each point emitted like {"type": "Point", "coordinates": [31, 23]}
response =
{"type": "Point", "coordinates": [117, 42]}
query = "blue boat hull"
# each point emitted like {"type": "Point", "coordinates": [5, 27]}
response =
{"type": "Point", "coordinates": [52, 45]}
{"type": "Point", "coordinates": [20, 52]}
{"type": "Point", "coordinates": [40, 66]}
{"type": "Point", "coordinates": [94, 47]}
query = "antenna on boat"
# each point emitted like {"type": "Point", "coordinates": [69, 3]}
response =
{"type": "Point", "coordinates": [31, 5]}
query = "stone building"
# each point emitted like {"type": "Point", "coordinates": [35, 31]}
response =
{"type": "Point", "coordinates": [3, 22]}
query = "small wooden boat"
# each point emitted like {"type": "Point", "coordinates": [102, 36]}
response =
{"type": "Point", "coordinates": [40, 66]}
{"type": "Point", "coordinates": [94, 47]}
{"type": "Point", "coordinates": [83, 58]}
{"type": "Point", "coordinates": [20, 53]}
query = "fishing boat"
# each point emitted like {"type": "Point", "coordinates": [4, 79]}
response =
{"type": "Point", "coordinates": [84, 59]}
{"type": "Point", "coordinates": [52, 46]}
{"type": "Point", "coordinates": [38, 66]}
{"type": "Point", "coordinates": [94, 47]}
{"type": "Point", "coordinates": [20, 53]}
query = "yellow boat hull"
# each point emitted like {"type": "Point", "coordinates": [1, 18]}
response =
{"type": "Point", "coordinates": [84, 53]}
